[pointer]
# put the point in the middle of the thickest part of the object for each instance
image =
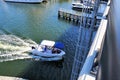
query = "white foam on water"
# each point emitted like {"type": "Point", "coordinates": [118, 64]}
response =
{"type": "Point", "coordinates": [13, 47]}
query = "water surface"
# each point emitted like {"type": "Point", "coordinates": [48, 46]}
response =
{"type": "Point", "coordinates": [28, 24]}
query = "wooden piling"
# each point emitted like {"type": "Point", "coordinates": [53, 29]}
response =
{"type": "Point", "coordinates": [73, 17]}
{"type": "Point", "coordinates": [69, 15]}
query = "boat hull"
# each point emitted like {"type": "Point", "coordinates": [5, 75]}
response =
{"type": "Point", "coordinates": [47, 58]}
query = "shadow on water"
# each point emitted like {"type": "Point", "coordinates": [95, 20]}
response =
{"type": "Point", "coordinates": [38, 70]}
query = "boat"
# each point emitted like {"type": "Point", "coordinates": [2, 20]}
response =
{"type": "Point", "coordinates": [25, 1]}
{"type": "Point", "coordinates": [48, 51]}
{"type": "Point", "coordinates": [80, 6]}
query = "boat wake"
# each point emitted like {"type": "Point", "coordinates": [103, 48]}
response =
{"type": "Point", "coordinates": [13, 47]}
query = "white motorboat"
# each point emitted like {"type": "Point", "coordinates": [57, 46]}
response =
{"type": "Point", "coordinates": [80, 6]}
{"type": "Point", "coordinates": [25, 1]}
{"type": "Point", "coordinates": [48, 51]}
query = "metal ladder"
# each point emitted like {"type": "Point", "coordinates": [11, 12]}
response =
{"type": "Point", "coordinates": [84, 40]}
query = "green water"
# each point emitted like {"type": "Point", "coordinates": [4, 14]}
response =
{"type": "Point", "coordinates": [35, 22]}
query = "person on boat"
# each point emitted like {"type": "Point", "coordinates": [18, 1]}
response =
{"type": "Point", "coordinates": [45, 48]}
{"type": "Point", "coordinates": [56, 51]}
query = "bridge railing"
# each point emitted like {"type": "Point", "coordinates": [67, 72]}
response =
{"type": "Point", "coordinates": [96, 47]}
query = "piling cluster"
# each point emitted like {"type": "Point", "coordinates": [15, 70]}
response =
{"type": "Point", "coordinates": [68, 15]}
{"type": "Point", "coordinates": [76, 18]}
